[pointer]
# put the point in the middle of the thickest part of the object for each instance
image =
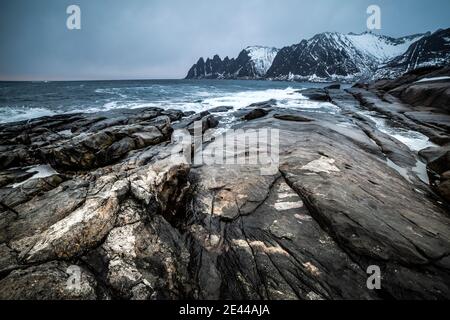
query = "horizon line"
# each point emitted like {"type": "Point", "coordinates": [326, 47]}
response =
{"type": "Point", "coordinates": [377, 32]}
{"type": "Point", "coordinates": [98, 80]}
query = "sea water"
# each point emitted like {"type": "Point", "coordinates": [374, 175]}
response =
{"type": "Point", "coordinates": [28, 100]}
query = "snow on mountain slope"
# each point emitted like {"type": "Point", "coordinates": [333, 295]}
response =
{"type": "Point", "coordinates": [331, 56]}
{"type": "Point", "coordinates": [262, 58]}
{"type": "Point", "coordinates": [251, 63]}
{"type": "Point", "coordinates": [381, 47]}
{"type": "Point", "coordinates": [338, 57]}
{"type": "Point", "coordinates": [326, 56]}
{"type": "Point", "coordinates": [429, 51]}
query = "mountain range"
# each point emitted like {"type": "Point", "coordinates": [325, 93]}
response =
{"type": "Point", "coordinates": [332, 56]}
{"type": "Point", "coordinates": [251, 63]}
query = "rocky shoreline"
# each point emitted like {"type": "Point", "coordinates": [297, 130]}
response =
{"type": "Point", "coordinates": [102, 195]}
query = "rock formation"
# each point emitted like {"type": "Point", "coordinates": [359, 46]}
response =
{"type": "Point", "coordinates": [96, 207]}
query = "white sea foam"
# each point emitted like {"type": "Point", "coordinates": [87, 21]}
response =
{"type": "Point", "coordinates": [245, 98]}
{"type": "Point", "coordinates": [414, 140]}
{"type": "Point", "coordinates": [202, 101]}
{"type": "Point", "coordinates": [196, 99]}
{"type": "Point", "coordinates": [285, 98]}
{"type": "Point", "coordinates": [23, 113]}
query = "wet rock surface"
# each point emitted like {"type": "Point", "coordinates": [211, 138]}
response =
{"type": "Point", "coordinates": [291, 117]}
{"type": "Point", "coordinates": [104, 207]}
{"type": "Point", "coordinates": [316, 94]}
{"type": "Point", "coordinates": [255, 114]}
{"type": "Point", "coordinates": [82, 141]}
{"type": "Point", "coordinates": [419, 100]}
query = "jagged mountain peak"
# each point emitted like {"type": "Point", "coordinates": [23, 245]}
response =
{"type": "Point", "coordinates": [338, 56]}
{"type": "Point", "coordinates": [258, 47]}
{"type": "Point", "coordinates": [252, 62]}
{"type": "Point", "coordinates": [332, 56]}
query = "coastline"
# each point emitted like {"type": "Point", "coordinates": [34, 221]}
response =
{"type": "Point", "coordinates": [138, 223]}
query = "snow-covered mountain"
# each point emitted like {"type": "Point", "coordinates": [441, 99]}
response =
{"type": "Point", "coordinates": [332, 56]}
{"type": "Point", "coordinates": [380, 47]}
{"type": "Point", "coordinates": [262, 58]}
{"type": "Point", "coordinates": [336, 56]}
{"type": "Point", "coordinates": [252, 63]}
{"type": "Point", "coordinates": [430, 50]}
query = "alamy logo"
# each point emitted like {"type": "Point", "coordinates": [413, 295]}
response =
{"type": "Point", "coordinates": [258, 147]}
{"type": "Point", "coordinates": [374, 19]}
{"type": "Point", "coordinates": [74, 20]}
{"type": "Point", "coordinates": [73, 283]}
{"type": "Point", "coordinates": [374, 280]}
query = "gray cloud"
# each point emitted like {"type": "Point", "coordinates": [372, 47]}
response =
{"type": "Point", "coordinates": [162, 38]}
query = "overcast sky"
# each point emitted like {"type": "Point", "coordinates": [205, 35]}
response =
{"type": "Point", "coordinates": [155, 39]}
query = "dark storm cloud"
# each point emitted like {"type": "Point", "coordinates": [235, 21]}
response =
{"type": "Point", "coordinates": [162, 38]}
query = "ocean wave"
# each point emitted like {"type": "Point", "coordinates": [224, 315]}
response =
{"type": "Point", "coordinates": [13, 114]}
{"type": "Point", "coordinates": [202, 101]}
{"type": "Point", "coordinates": [111, 91]}
{"type": "Point", "coordinates": [197, 101]}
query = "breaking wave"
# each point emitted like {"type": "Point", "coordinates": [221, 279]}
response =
{"type": "Point", "coordinates": [185, 96]}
